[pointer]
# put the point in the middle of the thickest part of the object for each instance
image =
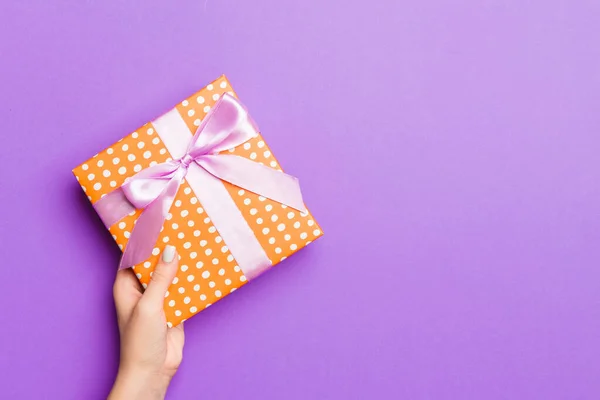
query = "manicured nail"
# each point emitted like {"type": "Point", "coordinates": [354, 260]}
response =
{"type": "Point", "coordinates": [168, 253]}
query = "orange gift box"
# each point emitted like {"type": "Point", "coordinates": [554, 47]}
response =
{"type": "Point", "coordinates": [207, 269]}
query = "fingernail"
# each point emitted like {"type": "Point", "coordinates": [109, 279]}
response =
{"type": "Point", "coordinates": [168, 253]}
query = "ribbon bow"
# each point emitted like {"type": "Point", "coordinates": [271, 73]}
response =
{"type": "Point", "coordinates": [153, 189]}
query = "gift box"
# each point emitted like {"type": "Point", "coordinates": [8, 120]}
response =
{"type": "Point", "coordinates": [203, 179]}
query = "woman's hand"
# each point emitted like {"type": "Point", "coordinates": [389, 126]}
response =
{"type": "Point", "coordinates": [150, 351]}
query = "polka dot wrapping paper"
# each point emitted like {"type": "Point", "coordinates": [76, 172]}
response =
{"type": "Point", "coordinates": [207, 269]}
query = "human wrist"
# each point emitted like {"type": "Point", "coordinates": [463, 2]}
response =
{"type": "Point", "coordinates": [139, 384]}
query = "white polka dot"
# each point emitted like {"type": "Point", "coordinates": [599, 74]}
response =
{"type": "Point", "coordinates": [215, 97]}
{"type": "Point", "coordinates": [283, 206]}
{"type": "Point", "coordinates": [165, 239]}
{"type": "Point", "coordinates": [126, 234]}
{"type": "Point", "coordinates": [177, 313]}
{"type": "Point", "coordinates": [316, 232]}
{"type": "Point", "coordinates": [147, 154]}
{"type": "Point", "coordinates": [290, 215]}
{"type": "Point", "coordinates": [168, 217]}
{"type": "Point", "coordinates": [222, 271]}
{"type": "Point", "coordinates": [163, 151]}
{"type": "Point", "coordinates": [196, 233]}
{"type": "Point", "coordinates": [155, 140]}
{"type": "Point", "coordinates": [200, 100]}
{"type": "Point", "coordinates": [190, 278]}
{"type": "Point", "coordinates": [193, 309]}
{"type": "Point", "coordinates": [228, 281]}
{"type": "Point", "coordinates": [223, 85]}
{"type": "Point", "coordinates": [97, 186]}
{"type": "Point", "coordinates": [261, 198]}
{"type": "Point", "coordinates": [268, 207]}
{"type": "Point", "coordinates": [210, 87]}
{"type": "Point", "coordinates": [297, 224]}
{"type": "Point", "coordinates": [184, 267]}
{"type": "Point", "coordinates": [187, 245]}
{"type": "Point", "coordinates": [247, 201]}
{"type": "Point", "coordinates": [293, 246]}
{"type": "Point", "coordinates": [273, 164]}
{"type": "Point", "coordinates": [215, 261]}
{"type": "Point", "coordinates": [175, 225]}
{"type": "Point", "coordinates": [212, 229]}
{"type": "Point", "coordinates": [116, 160]}
{"type": "Point", "coordinates": [193, 255]}
{"type": "Point", "coordinates": [84, 167]}
{"type": "Point", "coordinates": [274, 217]}
{"type": "Point", "coordinates": [237, 268]}
{"type": "Point", "coordinates": [272, 240]}
{"type": "Point", "coordinates": [310, 222]}
{"type": "Point", "coordinates": [206, 274]}
{"type": "Point", "coordinates": [309, 242]}
{"type": "Point", "coordinates": [206, 109]}
{"type": "Point", "coordinates": [190, 223]}
{"type": "Point", "coordinates": [230, 258]}
{"type": "Point", "coordinates": [280, 227]}
{"type": "Point", "coordinates": [131, 157]}
{"type": "Point", "coordinates": [181, 290]}
{"type": "Point", "coordinates": [265, 231]}
{"type": "Point", "coordinates": [134, 135]}
{"type": "Point", "coordinates": [259, 221]}
{"type": "Point", "coordinates": [191, 113]}
{"type": "Point", "coordinates": [253, 211]}
{"type": "Point", "coordinates": [206, 220]}
{"type": "Point", "coordinates": [208, 252]}
{"type": "Point", "coordinates": [100, 163]}
{"type": "Point", "coordinates": [197, 122]}
{"type": "Point", "coordinates": [155, 251]}
{"type": "Point", "coordinates": [287, 237]}
{"type": "Point", "coordinates": [106, 173]}
{"type": "Point", "coordinates": [137, 168]}
{"type": "Point", "coordinates": [261, 144]}
{"type": "Point", "coordinates": [169, 324]}
{"type": "Point", "coordinates": [247, 146]}
{"type": "Point", "coordinates": [253, 156]}
{"type": "Point", "coordinates": [196, 287]}
{"type": "Point", "coordinates": [199, 264]}
{"type": "Point", "coordinates": [147, 264]}
{"type": "Point", "coordinates": [267, 154]}
{"type": "Point", "coordinates": [185, 213]}
{"type": "Point", "coordinates": [193, 200]}
{"type": "Point", "coordinates": [125, 147]}
{"type": "Point", "coordinates": [211, 284]}
{"type": "Point", "coordinates": [303, 235]}
{"type": "Point", "coordinates": [172, 303]}
{"type": "Point", "coordinates": [113, 184]}
{"type": "Point", "coordinates": [138, 275]}
{"type": "Point", "coordinates": [109, 151]}
{"type": "Point", "coordinates": [277, 250]}
{"type": "Point", "coordinates": [218, 293]}
{"type": "Point", "coordinates": [203, 243]}
{"type": "Point", "coordinates": [202, 297]}
{"type": "Point", "coordinates": [175, 280]}
{"type": "Point", "coordinates": [218, 239]}
{"type": "Point", "coordinates": [141, 145]}
{"type": "Point", "coordinates": [243, 278]}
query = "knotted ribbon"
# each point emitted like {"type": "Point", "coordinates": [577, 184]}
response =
{"type": "Point", "coordinates": [153, 190]}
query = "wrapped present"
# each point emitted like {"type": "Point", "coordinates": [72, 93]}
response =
{"type": "Point", "coordinates": [202, 178]}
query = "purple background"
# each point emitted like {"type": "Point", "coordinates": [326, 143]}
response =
{"type": "Point", "coordinates": [450, 152]}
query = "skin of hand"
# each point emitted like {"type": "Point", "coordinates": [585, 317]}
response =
{"type": "Point", "coordinates": [151, 352]}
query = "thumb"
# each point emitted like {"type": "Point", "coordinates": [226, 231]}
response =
{"type": "Point", "coordinates": [163, 275]}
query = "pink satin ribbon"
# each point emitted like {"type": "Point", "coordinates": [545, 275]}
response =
{"type": "Point", "coordinates": [153, 190]}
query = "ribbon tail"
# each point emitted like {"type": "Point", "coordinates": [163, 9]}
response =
{"type": "Point", "coordinates": [148, 225]}
{"type": "Point", "coordinates": [255, 177]}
